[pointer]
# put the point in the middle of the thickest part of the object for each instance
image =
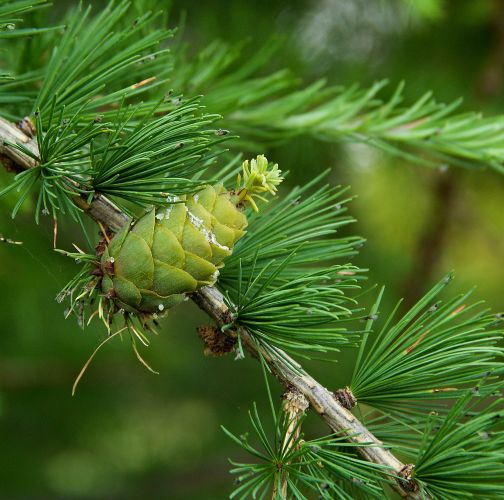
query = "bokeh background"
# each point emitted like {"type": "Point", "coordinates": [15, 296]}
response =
{"type": "Point", "coordinates": [131, 434]}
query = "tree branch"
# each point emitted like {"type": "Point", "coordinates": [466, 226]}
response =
{"type": "Point", "coordinates": [211, 300]}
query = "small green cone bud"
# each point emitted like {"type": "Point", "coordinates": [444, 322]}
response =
{"type": "Point", "coordinates": [258, 177]}
{"type": "Point", "coordinates": [150, 266]}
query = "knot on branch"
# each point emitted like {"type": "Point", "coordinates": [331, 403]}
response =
{"type": "Point", "coordinates": [216, 342]}
{"type": "Point", "coordinates": [406, 479]}
{"type": "Point", "coordinates": [27, 127]}
{"type": "Point", "coordinates": [345, 398]}
{"type": "Point", "coordinates": [295, 402]}
{"type": "Point", "coordinates": [227, 317]}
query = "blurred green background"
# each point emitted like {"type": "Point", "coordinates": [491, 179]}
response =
{"type": "Point", "coordinates": [131, 434]}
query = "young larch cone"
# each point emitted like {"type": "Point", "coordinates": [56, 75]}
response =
{"type": "Point", "coordinates": [149, 266]}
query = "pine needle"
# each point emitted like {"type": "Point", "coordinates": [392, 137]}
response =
{"type": "Point", "coordinates": [88, 362]}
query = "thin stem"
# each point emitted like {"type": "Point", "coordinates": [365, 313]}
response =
{"type": "Point", "coordinates": [294, 407]}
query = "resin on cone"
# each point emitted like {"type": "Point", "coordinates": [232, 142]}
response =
{"type": "Point", "coordinates": [150, 265]}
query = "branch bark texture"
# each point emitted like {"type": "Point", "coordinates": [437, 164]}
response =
{"type": "Point", "coordinates": [211, 300]}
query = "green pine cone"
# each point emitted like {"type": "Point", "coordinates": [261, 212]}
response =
{"type": "Point", "coordinates": [149, 266]}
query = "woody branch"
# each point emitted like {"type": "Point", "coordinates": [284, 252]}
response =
{"type": "Point", "coordinates": [211, 300]}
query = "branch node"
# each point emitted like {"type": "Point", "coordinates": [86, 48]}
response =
{"type": "Point", "coordinates": [407, 482]}
{"type": "Point", "coordinates": [216, 342]}
{"type": "Point", "coordinates": [295, 402]}
{"type": "Point", "coordinates": [27, 127]}
{"type": "Point", "coordinates": [227, 317]}
{"type": "Point", "coordinates": [345, 398]}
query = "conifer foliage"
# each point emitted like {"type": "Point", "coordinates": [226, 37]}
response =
{"type": "Point", "coordinates": [105, 120]}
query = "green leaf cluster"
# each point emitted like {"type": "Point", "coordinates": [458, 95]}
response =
{"type": "Point", "coordinates": [463, 456]}
{"type": "Point", "coordinates": [324, 466]}
{"type": "Point", "coordinates": [282, 280]}
{"type": "Point", "coordinates": [275, 108]}
{"type": "Point", "coordinates": [92, 138]}
{"type": "Point", "coordinates": [432, 353]}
